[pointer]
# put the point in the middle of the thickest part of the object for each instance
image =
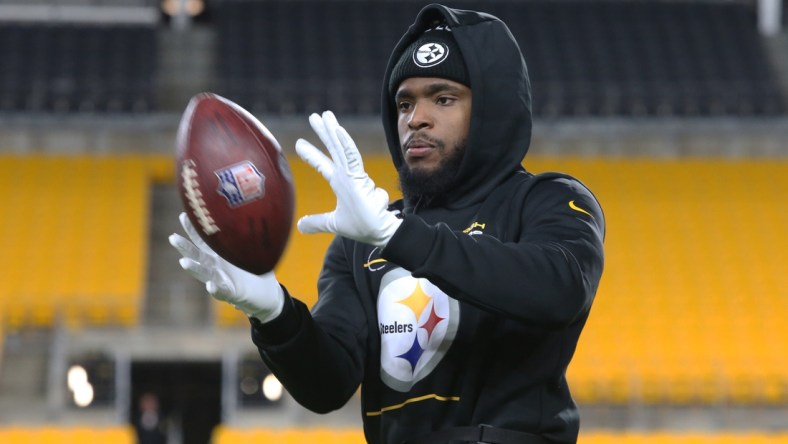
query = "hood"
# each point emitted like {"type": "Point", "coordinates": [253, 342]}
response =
{"type": "Point", "coordinates": [500, 131]}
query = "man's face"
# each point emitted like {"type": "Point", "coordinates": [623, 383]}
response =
{"type": "Point", "coordinates": [434, 116]}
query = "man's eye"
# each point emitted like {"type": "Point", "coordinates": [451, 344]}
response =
{"type": "Point", "coordinates": [404, 106]}
{"type": "Point", "coordinates": [444, 100]}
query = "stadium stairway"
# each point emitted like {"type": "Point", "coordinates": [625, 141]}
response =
{"type": "Point", "coordinates": [23, 375]}
{"type": "Point", "coordinates": [173, 298]}
{"type": "Point", "coordinates": [190, 53]}
{"type": "Point", "coordinates": [776, 47]}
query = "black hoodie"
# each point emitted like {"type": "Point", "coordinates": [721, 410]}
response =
{"type": "Point", "coordinates": [472, 312]}
{"type": "Point", "coordinates": [500, 131]}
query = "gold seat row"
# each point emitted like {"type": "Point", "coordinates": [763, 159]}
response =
{"type": "Point", "coordinates": [691, 308]}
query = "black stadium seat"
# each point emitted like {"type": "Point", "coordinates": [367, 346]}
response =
{"type": "Point", "coordinates": [586, 58]}
{"type": "Point", "coordinates": [600, 58]}
{"type": "Point", "coordinates": [57, 67]}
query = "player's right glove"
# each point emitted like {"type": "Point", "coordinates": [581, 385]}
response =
{"type": "Point", "coordinates": [258, 296]}
{"type": "Point", "coordinates": [362, 208]}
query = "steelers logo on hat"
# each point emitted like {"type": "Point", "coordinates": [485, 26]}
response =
{"type": "Point", "coordinates": [433, 54]}
{"type": "Point", "coordinates": [430, 54]}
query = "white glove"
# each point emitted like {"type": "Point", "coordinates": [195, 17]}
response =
{"type": "Point", "coordinates": [361, 213]}
{"type": "Point", "coordinates": [257, 296]}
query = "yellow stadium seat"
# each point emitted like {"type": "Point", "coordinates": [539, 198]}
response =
{"type": "Point", "coordinates": [692, 305]}
{"type": "Point", "coordinates": [50, 434]}
{"type": "Point", "coordinates": [76, 247]}
{"type": "Point", "coordinates": [668, 437]}
{"type": "Point", "coordinates": [230, 435]}
{"type": "Point", "coordinates": [693, 300]}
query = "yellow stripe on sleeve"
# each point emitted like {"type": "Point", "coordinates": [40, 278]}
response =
{"type": "Point", "coordinates": [412, 400]}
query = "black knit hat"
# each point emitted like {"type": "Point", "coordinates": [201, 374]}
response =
{"type": "Point", "coordinates": [434, 54]}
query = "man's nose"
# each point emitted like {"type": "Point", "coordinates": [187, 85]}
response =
{"type": "Point", "coordinates": [420, 118]}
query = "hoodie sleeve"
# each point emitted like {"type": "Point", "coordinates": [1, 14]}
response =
{"type": "Point", "coordinates": [547, 276]}
{"type": "Point", "coordinates": [319, 356]}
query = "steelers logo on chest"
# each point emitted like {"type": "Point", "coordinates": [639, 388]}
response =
{"type": "Point", "coordinates": [417, 323]}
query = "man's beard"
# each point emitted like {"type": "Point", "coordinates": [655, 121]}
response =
{"type": "Point", "coordinates": [431, 188]}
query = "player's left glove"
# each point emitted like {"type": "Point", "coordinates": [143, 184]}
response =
{"type": "Point", "coordinates": [362, 208]}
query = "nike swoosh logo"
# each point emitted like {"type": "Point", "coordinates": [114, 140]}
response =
{"type": "Point", "coordinates": [576, 208]}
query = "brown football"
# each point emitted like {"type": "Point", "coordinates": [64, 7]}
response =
{"type": "Point", "coordinates": [235, 183]}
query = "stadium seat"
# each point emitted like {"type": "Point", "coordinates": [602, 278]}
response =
{"type": "Point", "coordinates": [49, 434]}
{"type": "Point", "coordinates": [613, 58]}
{"type": "Point", "coordinates": [675, 437]}
{"type": "Point", "coordinates": [692, 303]}
{"type": "Point", "coordinates": [67, 68]}
{"type": "Point", "coordinates": [75, 247]}
{"type": "Point", "coordinates": [230, 435]}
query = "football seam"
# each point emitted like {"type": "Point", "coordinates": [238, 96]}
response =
{"type": "Point", "coordinates": [194, 197]}
{"type": "Point", "coordinates": [249, 121]}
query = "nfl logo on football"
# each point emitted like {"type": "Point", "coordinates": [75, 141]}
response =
{"type": "Point", "coordinates": [240, 183]}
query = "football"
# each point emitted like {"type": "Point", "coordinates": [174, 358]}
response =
{"type": "Point", "coordinates": [235, 183]}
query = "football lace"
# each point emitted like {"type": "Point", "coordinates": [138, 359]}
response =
{"type": "Point", "coordinates": [194, 197]}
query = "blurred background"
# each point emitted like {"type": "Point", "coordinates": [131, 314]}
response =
{"type": "Point", "coordinates": [672, 112]}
